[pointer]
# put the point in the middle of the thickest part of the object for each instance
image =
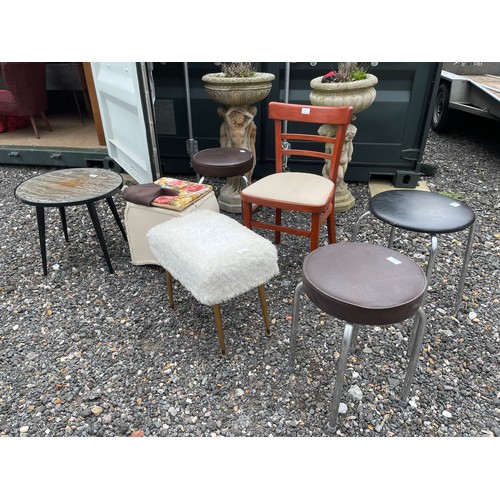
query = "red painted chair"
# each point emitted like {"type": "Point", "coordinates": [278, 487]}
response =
{"type": "Point", "coordinates": [300, 191]}
{"type": "Point", "coordinates": [26, 94]}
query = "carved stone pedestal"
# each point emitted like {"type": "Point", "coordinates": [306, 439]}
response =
{"type": "Point", "coordinates": [358, 94]}
{"type": "Point", "coordinates": [344, 200]}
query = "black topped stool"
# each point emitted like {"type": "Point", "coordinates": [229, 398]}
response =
{"type": "Point", "coordinates": [222, 162]}
{"type": "Point", "coordinates": [362, 284]}
{"type": "Point", "coordinates": [424, 212]}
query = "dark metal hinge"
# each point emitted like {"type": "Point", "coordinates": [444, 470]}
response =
{"type": "Point", "coordinates": [410, 154]}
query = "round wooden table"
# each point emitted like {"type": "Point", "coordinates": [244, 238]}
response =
{"type": "Point", "coordinates": [72, 186]}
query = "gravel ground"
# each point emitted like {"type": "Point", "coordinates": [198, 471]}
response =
{"type": "Point", "coordinates": [86, 353]}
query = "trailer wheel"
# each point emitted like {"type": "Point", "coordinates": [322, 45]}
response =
{"type": "Point", "coordinates": [440, 121]}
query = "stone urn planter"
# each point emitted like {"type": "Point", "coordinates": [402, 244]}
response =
{"type": "Point", "coordinates": [237, 95]}
{"type": "Point", "coordinates": [360, 95]}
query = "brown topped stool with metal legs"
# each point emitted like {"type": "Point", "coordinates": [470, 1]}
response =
{"type": "Point", "coordinates": [231, 163]}
{"type": "Point", "coordinates": [222, 162]}
{"type": "Point", "coordinates": [362, 284]}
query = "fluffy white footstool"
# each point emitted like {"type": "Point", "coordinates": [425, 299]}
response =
{"type": "Point", "coordinates": [215, 258]}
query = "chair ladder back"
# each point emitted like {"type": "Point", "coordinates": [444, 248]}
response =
{"type": "Point", "coordinates": [338, 115]}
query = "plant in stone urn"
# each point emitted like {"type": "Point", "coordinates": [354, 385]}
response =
{"type": "Point", "coordinates": [237, 88]}
{"type": "Point", "coordinates": [350, 85]}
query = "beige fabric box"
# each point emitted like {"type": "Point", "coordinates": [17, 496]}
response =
{"type": "Point", "coordinates": [139, 219]}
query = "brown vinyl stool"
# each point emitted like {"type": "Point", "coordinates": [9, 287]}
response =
{"type": "Point", "coordinates": [365, 284]}
{"type": "Point", "coordinates": [222, 162]}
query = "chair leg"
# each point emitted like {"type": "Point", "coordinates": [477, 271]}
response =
{"type": "Point", "coordinates": [330, 224]}
{"type": "Point", "coordinates": [35, 129]}
{"type": "Point", "coordinates": [422, 321]}
{"type": "Point", "coordinates": [315, 229]}
{"type": "Point", "coordinates": [295, 324]}
{"type": "Point", "coordinates": [47, 124]}
{"type": "Point", "coordinates": [170, 289]}
{"type": "Point", "coordinates": [277, 218]}
{"type": "Point", "coordinates": [465, 264]}
{"type": "Point", "coordinates": [218, 322]}
{"type": "Point", "coordinates": [262, 297]}
{"type": "Point", "coordinates": [246, 209]}
{"type": "Point", "coordinates": [339, 379]}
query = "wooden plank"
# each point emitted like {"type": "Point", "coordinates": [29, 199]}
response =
{"type": "Point", "coordinates": [93, 103]}
{"type": "Point", "coordinates": [491, 82]}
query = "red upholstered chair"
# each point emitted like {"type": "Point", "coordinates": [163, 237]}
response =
{"type": "Point", "coordinates": [26, 94]}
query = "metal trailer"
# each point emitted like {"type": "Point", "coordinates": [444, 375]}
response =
{"type": "Point", "coordinates": [468, 87]}
{"type": "Point", "coordinates": [153, 116]}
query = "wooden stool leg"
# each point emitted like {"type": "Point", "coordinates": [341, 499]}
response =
{"type": "Point", "coordinates": [262, 297]}
{"type": "Point", "coordinates": [218, 322]}
{"type": "Point", "coordinates": [33, 124]}
{"type": "Point", "coordinates": [47, 123]}
{"type": "Point", "coordinates": [170, 290]}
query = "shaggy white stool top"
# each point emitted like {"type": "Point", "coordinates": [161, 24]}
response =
{"type": "Point", "coordinates": [215, 257]}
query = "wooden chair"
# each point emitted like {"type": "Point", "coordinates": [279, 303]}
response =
{"type": "Point", "coordinates": [300, 191]}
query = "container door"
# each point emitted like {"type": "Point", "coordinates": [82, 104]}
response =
{"type": "Point", "coordinates": [125, 100]}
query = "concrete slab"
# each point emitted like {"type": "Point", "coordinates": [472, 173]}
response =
{"type": "Point", "coordinates": [377, 186]}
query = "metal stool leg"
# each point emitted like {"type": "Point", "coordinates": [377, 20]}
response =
{"type": "Point", "coordinates": [295, 324]}
{"type": "Point", "coordinates": [339, 379]}
{"type": "Point", "coordinates": [391, 237]}
{"type": "Point", "coordinates": [357, 225]}
{"type": "Point", "coordinates": [354, 339]}
{"type": "Point", "coordinates": [432, 258]}
{"type": "Point", "coordinates": [428, 273]}
{"type": "Point", "coordinates": [422, 321]}
{"type": "Point", "coordinates": [244, 182]}
{"type": "Point", "coordinates": [413, 336]}
{"type": "Point", "coordinates": [468, 251]}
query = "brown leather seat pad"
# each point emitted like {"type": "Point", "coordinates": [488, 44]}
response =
{"type": "Point", "coordinates": [222, 162]}
{"type": "Point", "coordinates": [363, 283]}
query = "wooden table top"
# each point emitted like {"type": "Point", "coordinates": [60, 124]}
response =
{"type": "Point", "coordinates": [72, 186]}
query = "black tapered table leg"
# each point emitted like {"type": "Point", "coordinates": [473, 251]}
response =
{"type": "Point", "coordinates": [100, 236]}
{"type": "Point", "coordinates": [111, 204]}
{"type": "Point", "coordinates": [62, 211]}
{"type": "Point", "coordinates": [40, 217]}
